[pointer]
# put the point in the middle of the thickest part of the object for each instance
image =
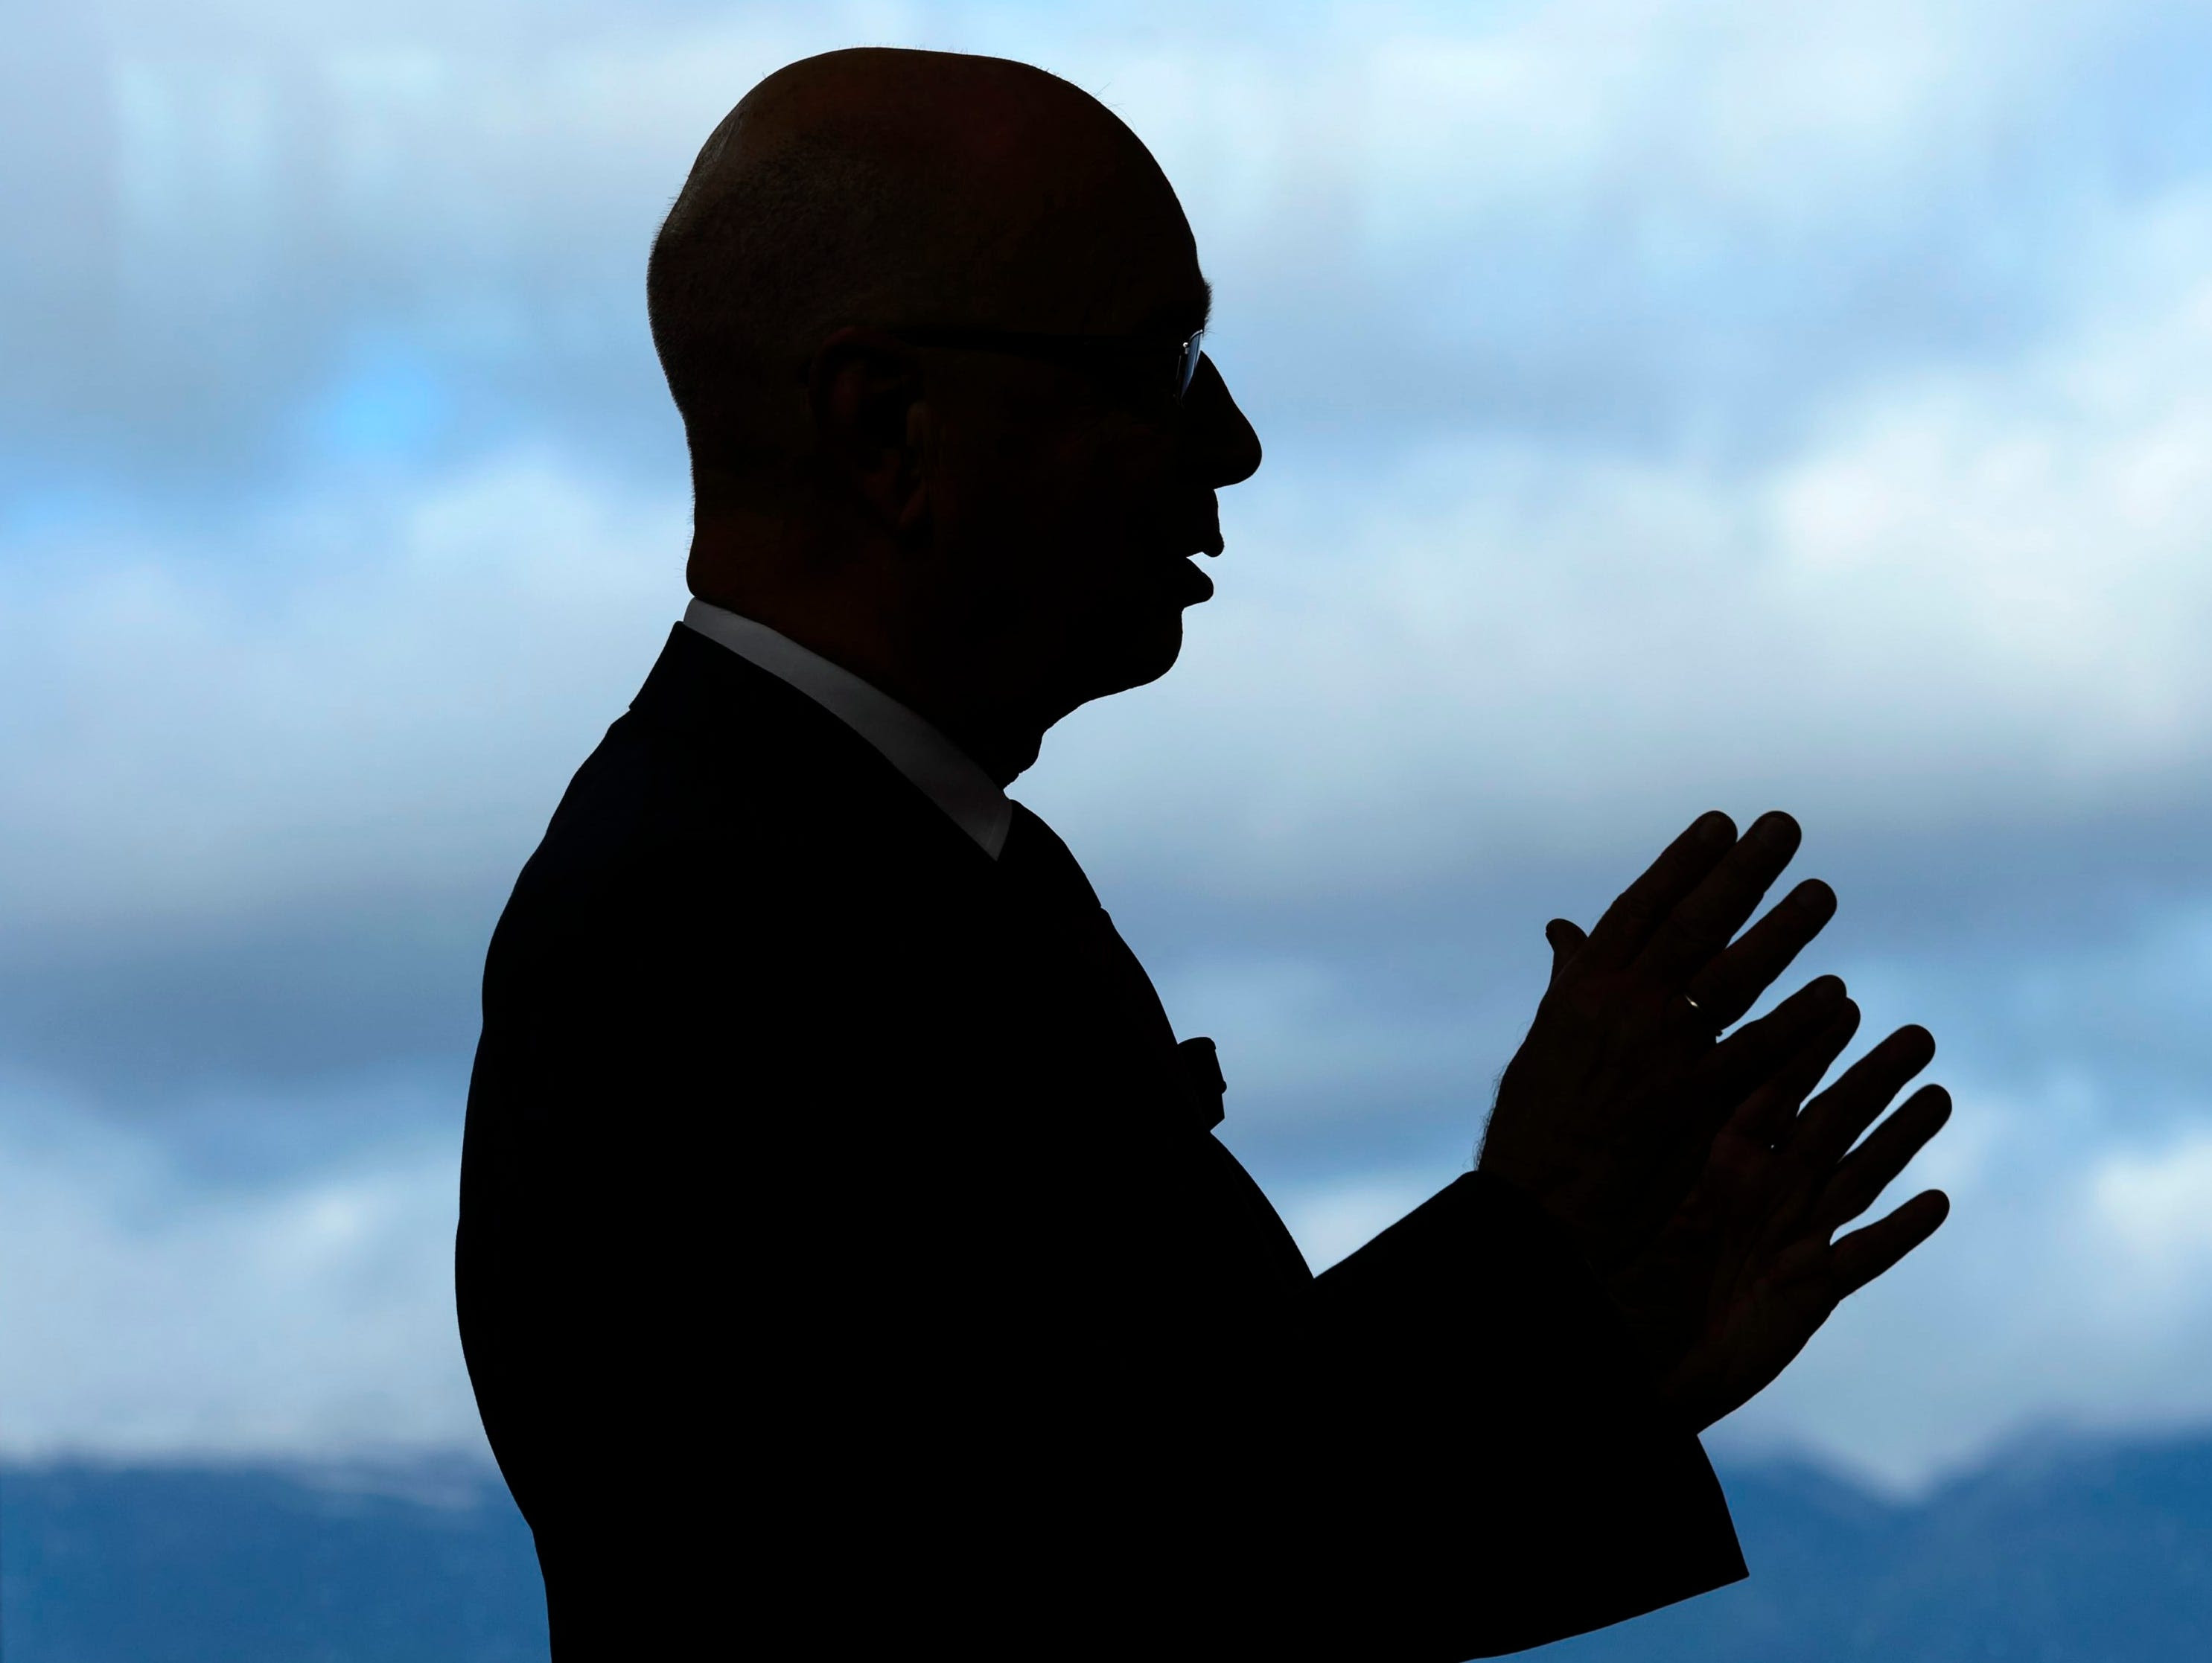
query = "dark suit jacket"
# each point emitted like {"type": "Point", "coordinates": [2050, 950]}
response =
{"type": "Point", "coordinates": [846, 1267]}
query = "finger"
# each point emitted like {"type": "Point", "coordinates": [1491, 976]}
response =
{"type": "Point", "coordinates": [1566, 938]}
{"type": "Point", "coordinates": [1699, 926]}
{"type": "Point", "coordinates": [1731, 984]}
{"type": "Point", "coordinates": [1866, 1254]}
{"type": "Point", "coordinates": [1889, 1150]}
{"type": "Point", "coordinates": [1832, 1121]}
{"type": "Point", "coordinates": [1739, 1064]}
{"type": "Point", "coordinates": [1763, 1109]}
{"type": "Point", "coordinates": [1620, 935]}
{"type": "Point", "coordinates": [1769, 1050]}
{"type": "Point", "coordinates": [1770, 1109]}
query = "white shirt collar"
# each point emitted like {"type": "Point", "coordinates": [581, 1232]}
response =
{"type": "Point", "coordinates": [940, 769]}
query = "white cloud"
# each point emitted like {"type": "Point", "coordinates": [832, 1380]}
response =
{"type": "Point", "coordinates": [149, 1314]}
{"type": "Point", "coordinates": [1976, 595]}
{"type": "Point", "coordinates": [336, 697]}
{"type": "Point", "coordinates": [1973, 596]}
{"type": "Point", "coordinates": [1590, 188]}
{"type": "Point", "coordinates": [146, 1314]}
{"type": "Point", "coordinates": [2152, 1209]}
{"type": "Point", "coordinates": [1535, 113]}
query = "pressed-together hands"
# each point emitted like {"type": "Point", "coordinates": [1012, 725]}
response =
{"type": "Point", "coordinates": [1745, 1271]}
{"type": "Point", "coordinates": [1698, 1182]}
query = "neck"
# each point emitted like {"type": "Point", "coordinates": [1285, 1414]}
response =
{"type": "Point", "coordinates": [950, 687]}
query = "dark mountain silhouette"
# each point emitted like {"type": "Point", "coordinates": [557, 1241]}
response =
{"type": "Point", "coordinates": [2060, 1550]}
{"type": "Point", "coordinates": [427, 1563]}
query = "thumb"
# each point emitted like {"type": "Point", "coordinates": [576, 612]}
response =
{"type": "Point", "coordinates": [1566, 938]}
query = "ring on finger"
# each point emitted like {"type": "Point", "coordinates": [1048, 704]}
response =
{"type": "Point", "coordinates": [1704, 1018]}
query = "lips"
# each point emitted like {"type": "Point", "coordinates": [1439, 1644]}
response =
{"type": "Point", "coordinates": [1190, 578]}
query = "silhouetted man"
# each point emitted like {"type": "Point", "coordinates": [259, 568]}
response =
{"type": "Point", "coordinates": [847, 1266]}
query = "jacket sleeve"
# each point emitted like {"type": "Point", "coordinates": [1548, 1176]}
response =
{"type": "Point", "coordinates": [1514, 1477]}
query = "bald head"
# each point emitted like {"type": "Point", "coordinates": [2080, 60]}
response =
{"type": "Point", "coordinates": [890, 187]}
{"type": "Point", "coordinates": [992, 530]}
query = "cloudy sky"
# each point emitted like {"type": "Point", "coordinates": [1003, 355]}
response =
{"type": "Point", "coordinates": [1668, 406]}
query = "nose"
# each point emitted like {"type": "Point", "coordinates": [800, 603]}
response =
{"type": "Point", "coordinates": [1225, 449]}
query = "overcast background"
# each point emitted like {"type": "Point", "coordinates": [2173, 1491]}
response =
{"type": "Point", "coordinates": [1668, 406]}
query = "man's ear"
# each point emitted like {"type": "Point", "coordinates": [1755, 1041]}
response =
{"type": "Point", "coordinates": [864, 395]}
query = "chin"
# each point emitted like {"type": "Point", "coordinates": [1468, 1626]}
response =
{"type": "Point", "coordinates": [1127, 662]}
{"type": "Point", "coordinates": [1158, 657]}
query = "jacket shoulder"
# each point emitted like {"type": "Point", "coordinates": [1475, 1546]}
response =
{"type": "Point", "coordinates": [727, 801]}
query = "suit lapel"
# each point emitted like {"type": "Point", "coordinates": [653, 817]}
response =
{"type": "Point", "coordinates": [1028, 928]}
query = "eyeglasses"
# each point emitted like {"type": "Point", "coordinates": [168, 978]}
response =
{"type": "Point", "coordinates": [1159, 362]}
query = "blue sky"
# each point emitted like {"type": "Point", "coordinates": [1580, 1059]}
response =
{"type": "Point", "coordinates": [1668, 406]}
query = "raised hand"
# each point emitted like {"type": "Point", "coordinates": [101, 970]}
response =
{"type": "Point", "coordinates": [1745, 1272]}
{"type": "Point", "coordinates": [1608, 1112]}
